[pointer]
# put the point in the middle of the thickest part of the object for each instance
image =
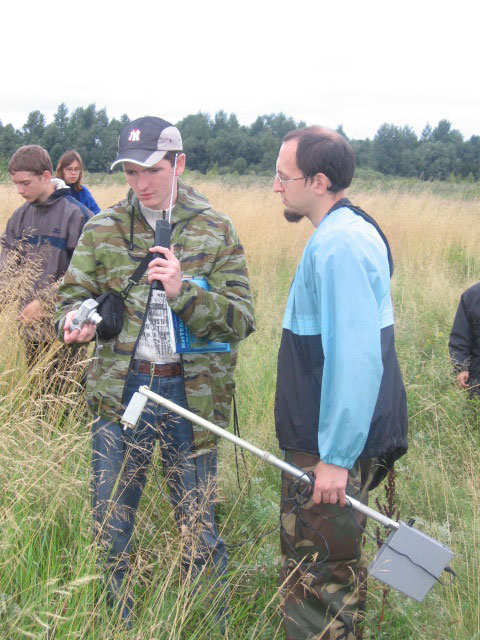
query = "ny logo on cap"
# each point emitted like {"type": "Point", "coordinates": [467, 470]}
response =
{"type": "Point", "coordinates": [134, 135]}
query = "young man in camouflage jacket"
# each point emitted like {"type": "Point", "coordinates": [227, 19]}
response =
{"type": "Point", "coordinates": [204, 244]}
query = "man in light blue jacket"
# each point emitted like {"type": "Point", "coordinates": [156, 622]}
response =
{"type": "Point", "coordinates": [340, 408]}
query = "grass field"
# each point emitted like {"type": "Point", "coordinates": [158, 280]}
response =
{"type": "Point", "coordinates": [49, 584]}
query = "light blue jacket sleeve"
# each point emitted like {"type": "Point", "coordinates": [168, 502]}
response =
{"type": "Point", "coordinates": [351, 291]}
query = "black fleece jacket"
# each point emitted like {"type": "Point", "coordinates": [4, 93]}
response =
{"type": "Point", "coordinates": [464, 342]}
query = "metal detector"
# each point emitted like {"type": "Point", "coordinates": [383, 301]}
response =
{"type": "Point", "coordinates": [163, 228]}
{"type": "Point", "coordinates": [408, 560]}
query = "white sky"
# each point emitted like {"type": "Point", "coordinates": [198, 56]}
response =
{"type": "Point", "coordinates": [359, 64]}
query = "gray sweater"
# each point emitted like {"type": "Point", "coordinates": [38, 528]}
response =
{"type": "Point", "coordinates": [43, 235]}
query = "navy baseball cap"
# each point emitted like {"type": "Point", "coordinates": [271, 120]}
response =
{"type": "Point", "coordinates": [145, 141]}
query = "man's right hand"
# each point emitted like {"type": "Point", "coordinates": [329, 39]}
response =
{"type": "Point", "coordinates": [86, 333]}
{"type": "Point", "coordinates": [330, 484]}
{"type": "Point", "coordinates": [462, 379]}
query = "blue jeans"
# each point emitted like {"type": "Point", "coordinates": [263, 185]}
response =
{"type": "Point", "coordinates": [120, 461]}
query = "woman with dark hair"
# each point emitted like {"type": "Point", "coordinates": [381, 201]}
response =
{"type": "Point", "coordinates": [70, 170]}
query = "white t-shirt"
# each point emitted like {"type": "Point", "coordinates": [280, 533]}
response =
{"type": "Point", "coordinates": [155, 342]}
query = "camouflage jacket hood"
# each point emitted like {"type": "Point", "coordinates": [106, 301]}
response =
{"type": "Point", "coordinates": [111, 247]}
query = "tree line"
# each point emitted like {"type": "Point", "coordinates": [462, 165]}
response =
{"type": "Point", "coordinates": [219, 144]}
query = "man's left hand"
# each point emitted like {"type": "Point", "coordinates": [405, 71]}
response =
{"type": "Point", "coordinates": [166, 269]}
{"type": "Point", "coordinates": [330, 483]}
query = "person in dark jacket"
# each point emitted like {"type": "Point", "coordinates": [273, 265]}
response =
{"type": "Point", "coordinates": [464, 342]}
{"type": "Point", "coordinates": [70, 170]}
{"type": "Point", "coordinates": [39, 241]}
{"type": "Point", "coordinates": [340, 406]}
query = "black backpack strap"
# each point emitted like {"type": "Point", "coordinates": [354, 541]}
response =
{"type": "Point", "coordinates": [345, 202]}
{"type": "Point", "coordinates": [137, 274]}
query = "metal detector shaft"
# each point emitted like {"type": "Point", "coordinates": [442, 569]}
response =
{"type": "Point", "coordinates": [293, 471]}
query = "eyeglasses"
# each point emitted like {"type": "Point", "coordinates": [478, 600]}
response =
{"type": "Point", "coordinates": [284, 180]}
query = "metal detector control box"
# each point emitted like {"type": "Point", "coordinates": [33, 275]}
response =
{"type": "Point", "coordinates": [410, 561]}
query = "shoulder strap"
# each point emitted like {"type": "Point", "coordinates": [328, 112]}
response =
{"type": "Point", "coordinates": [137, 274]}
{"type": "Point", "coordinates": [345, 202]}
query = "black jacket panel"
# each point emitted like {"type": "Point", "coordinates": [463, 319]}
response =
{"type": "Point", "coordinates": [464, 342]}
{"type": "Point", "coordinates": [297, 400]}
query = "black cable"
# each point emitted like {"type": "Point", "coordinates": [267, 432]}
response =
{"type": "Point", "coordinates": [236, 432]}
{"type": "Point", "coordinates": [299, 493]}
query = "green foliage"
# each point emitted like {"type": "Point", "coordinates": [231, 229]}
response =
{"type": "Point", "coordinates": [220, 141]}
{"type": "Point", "coordinates": [393, 149]}
{"type": "Point", "coordinates": [240, 166]}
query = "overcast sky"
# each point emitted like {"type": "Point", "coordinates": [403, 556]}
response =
{"type": "Point", "coordinates": [358, 64]}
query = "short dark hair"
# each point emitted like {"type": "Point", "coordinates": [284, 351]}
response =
{"type": "Point", "coordinates": [170, 156]}
{"type": "Point", "coordinates": [321, 150]}
{"type": "Point", "coordinates": [66, 159]}
{"type": "Point", "coordinates": [31, 158]}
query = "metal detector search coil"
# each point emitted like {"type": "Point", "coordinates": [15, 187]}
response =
{"type": "Point", "coordinates": [408, 560]}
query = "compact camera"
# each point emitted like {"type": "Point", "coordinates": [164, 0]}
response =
{"type": "Point", "coordinates": [86, 313]}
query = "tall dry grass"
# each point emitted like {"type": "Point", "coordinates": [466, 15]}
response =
{"type": "Point", "coordinates": [49, 583]}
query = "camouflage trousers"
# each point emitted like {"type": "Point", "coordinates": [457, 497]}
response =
{"type": "Point", "coordinates": [323, 573]}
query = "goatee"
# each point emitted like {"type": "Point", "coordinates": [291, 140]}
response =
{"type": "Point", "coordinates": [292, 216]}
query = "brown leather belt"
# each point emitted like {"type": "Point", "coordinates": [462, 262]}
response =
{"type": "Point", "coordinates": [168, 370]}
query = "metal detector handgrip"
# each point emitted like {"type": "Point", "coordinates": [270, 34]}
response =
{"type": "Point", "coordinates": [163, 234]}
{"type": "Point", "coordinates": [293, 471]}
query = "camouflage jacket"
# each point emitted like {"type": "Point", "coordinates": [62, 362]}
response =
{"type": "Point", "coordinates": [111, 247]}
